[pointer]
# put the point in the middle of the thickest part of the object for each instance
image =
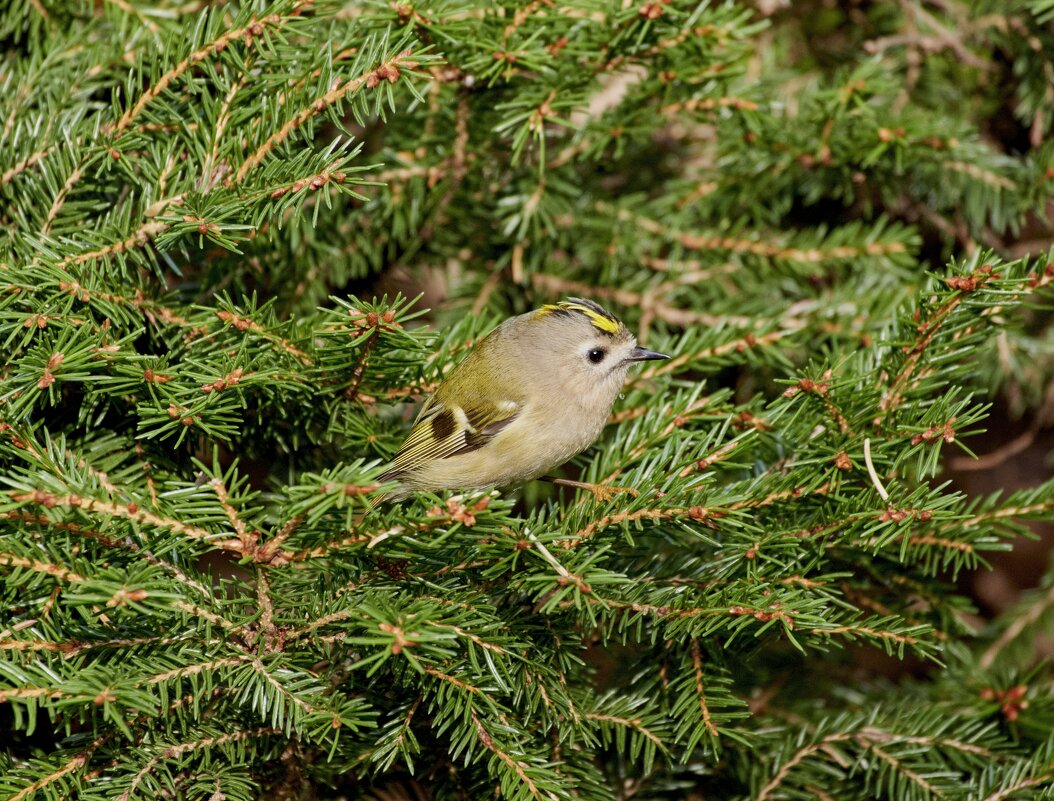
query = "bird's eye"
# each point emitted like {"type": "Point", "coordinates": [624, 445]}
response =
{"type": "Point", "coordinates": [597, 355]}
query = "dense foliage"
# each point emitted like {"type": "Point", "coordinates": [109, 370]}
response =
{"type": "Point", "coordinates": [218, 225]}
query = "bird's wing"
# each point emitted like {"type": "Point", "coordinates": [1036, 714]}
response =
{"type": "Point", "coordinates": [443, 430]}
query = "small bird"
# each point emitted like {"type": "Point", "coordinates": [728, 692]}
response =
{"type": "Point", "coordinates": [535, 392]}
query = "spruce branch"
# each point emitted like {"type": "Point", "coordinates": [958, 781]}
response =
{"type": "Point", "coordinates": [29, 161]}
{"type": "Point", "coordinates": [387, 70]}
{"type": "Point", "coordinates": [255, 27]}
{"type": "Point", "coordinates": [202, 596]}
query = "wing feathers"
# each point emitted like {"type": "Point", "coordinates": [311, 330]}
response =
{"type": "Point", "coordinates": [443, 431]}
{"type": "Point", "coordinates": [479, 438]}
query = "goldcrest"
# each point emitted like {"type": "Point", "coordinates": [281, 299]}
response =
{"type": "Point", "coordinates": [532, 394]}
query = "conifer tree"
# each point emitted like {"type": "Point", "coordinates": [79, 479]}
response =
{"type": "Point", "coordinates": [242, 242]}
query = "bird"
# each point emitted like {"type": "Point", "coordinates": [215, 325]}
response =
{"type": "Point", "coordinates": [536, 391]}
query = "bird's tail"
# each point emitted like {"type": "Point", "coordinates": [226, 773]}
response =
{"type": "Point", "coordinates": [396, 494]}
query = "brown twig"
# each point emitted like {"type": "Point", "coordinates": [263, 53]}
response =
{"type": "Point", "coordinates": [360, 367]}
{"type": "Point", "coordinates": [517, 766]}
{"type": "Point", "coordinates": [271, 635]}
{"type": "Point", "coordinates": [647, 301]}
{"type": "Point", "coordinates": [274, 545]}
{"type": "Point", "coordinates": [177, 750]}
{"type": "Point", "coordinates": [461, 685]}
{"type": "Point", "coordinates": [232, 514]}
{"type": "Point", "coordinates": [245, 324]}
{"type": "Point", "coordinates": [132, 11]}
{"type": "Point", "coordinates": [322, 622]}
{"type": "Point", "coordinates": [927, 330]}
{"type": "Point", "coordinates": [791, 763]}
{"type": "Point", "coordinates": [133, 512]}
{"type": "Point", "coordinates": [700, 689]}
{"type": "Point", "coordinates": [73, 528]}
{"type": "Point", "coordinates": [151, 309]}
{"type": "Point", "coordinates": [254, 28]}
{"type": "Point", "coordinates": [25, 164]}
{"type": "Point", "coordinates": [703, 514]}
{"type": "Point", "coordinates": [866, 631]}
{"type": "Point", "coordinates": [139, 238]}
{"type": "Point", "coordinates": [630, 723]}
{"type": "Point", "coordinates": [1010, 790]}
{"type": "Point", "coordinates": [1037, 609]}
{"type": "Point", "coordinates": [57, 571]}
{"type": "Point", "coordinates": [61, 195]}
{"type": "Point", "coordinates": [210, 173]}
{"type": "Point", "coordinates": [709, 104]}
{"type": "Point", "coordinates": [753, 247]}
{"type": "Point", "coordinates": [340, 91]}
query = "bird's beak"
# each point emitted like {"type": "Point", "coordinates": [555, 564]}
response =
{"type": "Point", "coordinates": [639, 354]}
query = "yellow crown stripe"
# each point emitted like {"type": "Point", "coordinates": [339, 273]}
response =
{"type": "Point", "coordinates": [603, 322]}
{"type": "Point", "coordinates": [598, 320]}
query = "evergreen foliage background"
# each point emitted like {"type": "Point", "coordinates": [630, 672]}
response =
{"type": "Point", "coordinates": [216, 223]}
